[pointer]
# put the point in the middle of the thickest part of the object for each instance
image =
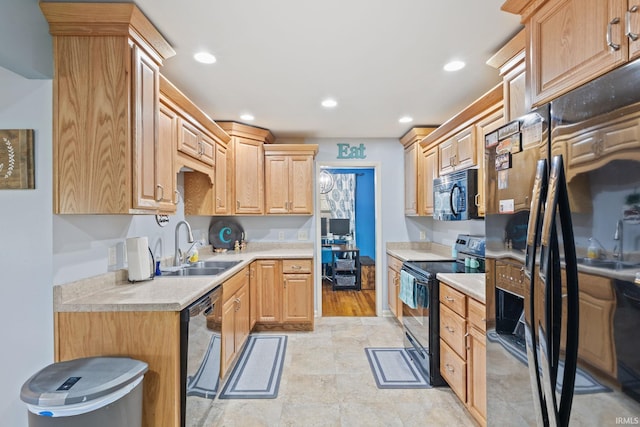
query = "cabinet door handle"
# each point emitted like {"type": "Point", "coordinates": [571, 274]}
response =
{"type": "Point", "coordinates": [450, 329]}
{"type": "Point", "coordinates": [161, 196]}
{"type": "Point", "coordinates": [177, 198]}
{"type": "Point", "coordinates": [237, 204]}
{"type": "Point", "coordinates": [476, 200]}
{"type": "Point", "coordinates": [632, 36]}
{"type": "Point", "coordinates": [610, 43]}
{"type": "Point", "coordinates": [218, 201]}
{"type": "Point", "coordinates": [449, 367]}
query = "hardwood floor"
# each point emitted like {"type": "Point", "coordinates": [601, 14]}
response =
{"type": "Point", "coordinates": [347, 303]}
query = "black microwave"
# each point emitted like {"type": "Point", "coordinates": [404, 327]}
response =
{"type": "Point", "coordinates": [455, 196]}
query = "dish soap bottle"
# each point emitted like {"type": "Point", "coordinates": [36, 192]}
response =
{"type": "Point", "coordinates": [593, 251]}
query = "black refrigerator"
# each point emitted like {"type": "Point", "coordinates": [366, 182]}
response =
{"type": "Point", "coordinates": [563, 237]}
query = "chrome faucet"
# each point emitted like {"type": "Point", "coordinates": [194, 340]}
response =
{"type": "Point", "coordinates": [617, 236]}
{"type": "Point", "coordinates": [177, 258]}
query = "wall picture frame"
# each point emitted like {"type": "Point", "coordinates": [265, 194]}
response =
{"type": "Point", "coordinates": [17, 159]}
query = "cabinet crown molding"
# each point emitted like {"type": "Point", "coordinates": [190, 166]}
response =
{"type": "Point", "coordinates": [247, 131]}
{"type": "Point", "coordinates": [180, 100]}
{"type": "Point", "coordinates": [283, 149]}
{"type": "Point", "coordinates": [106, 19]}
{"type": "Point", "coordinates": [466, 116]}
{"type": "Point", "coordinates": [416, 134]}
{"type": "Point", "coordinates": [514, 46]}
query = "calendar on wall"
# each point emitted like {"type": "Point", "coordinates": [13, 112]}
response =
{"type": "Point", "coordinates": [16, 159]}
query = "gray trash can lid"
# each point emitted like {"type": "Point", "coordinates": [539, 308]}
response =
{"type": "Point", "coordinates": [80, 380]}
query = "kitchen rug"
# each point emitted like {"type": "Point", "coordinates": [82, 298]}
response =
{"type": "Point", "coordinates": [585, 383]}
{"type": "Point", "coordinates": [393, 368]}
{"type": "Point", "coordinates": [258, 371]}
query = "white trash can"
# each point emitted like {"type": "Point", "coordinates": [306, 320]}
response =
{"type": "Point", "coordinates": [93, 391]}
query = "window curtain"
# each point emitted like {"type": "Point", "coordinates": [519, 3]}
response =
{"type": "Point", "coordinates": [342, 199]}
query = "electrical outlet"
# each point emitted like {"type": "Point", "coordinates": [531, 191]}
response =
{"type": "Point", "coordinates": [112, 256]}
{"type": "Point", "coordinates": [423, 235]}
{"type": "Point", "coordinates": [302, 235]}
{"type": "Point", "coordinates": [280, 235]}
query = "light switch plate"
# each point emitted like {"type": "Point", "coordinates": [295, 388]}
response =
{"type": "Point", "coordinates": [280, 235]}
{"type": "Point", "coordinates": [423, 235]}
{"type": "Point", "coordinates": [302, 235]}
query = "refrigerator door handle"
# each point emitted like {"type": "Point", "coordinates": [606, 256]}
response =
{"type": "Point", "coordinates": [571, 272]}
{"type": "Point", "coordinates": [557, 202]}
{"type": "Point", "coordinates": [539, 194]}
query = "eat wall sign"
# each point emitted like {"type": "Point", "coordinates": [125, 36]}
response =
{"type": "Point", "coordinates": [347, 151]}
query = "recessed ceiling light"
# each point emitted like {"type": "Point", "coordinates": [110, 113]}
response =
{"type": "Point", "coordinates": [454, 66]}
{"type": "Point", "coordinates": [405, 119]}
{"type": "Point", "coordinates": [247, 117]}
{"type": "Point", "coordinates": [204, 57]}
{"type": "Point", "coordinates": [329, 103]}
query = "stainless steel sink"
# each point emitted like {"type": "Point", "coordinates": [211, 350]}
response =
{"type": "Point", "coordinates": [607, 263]}
{"type": "Point", "coordinates": [213, 264]}
{"type": "Point", "coordinates": [203, 268]}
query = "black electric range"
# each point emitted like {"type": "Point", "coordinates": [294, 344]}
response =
{"type": "Point", "coordinates": [421, 315]}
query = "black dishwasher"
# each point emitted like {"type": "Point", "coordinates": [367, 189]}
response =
{"type": "Point", "coordinates": [625, 330]}
{"type": "Point", "coordinates": [200, 325]}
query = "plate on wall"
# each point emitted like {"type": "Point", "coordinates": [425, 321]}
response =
{"type": "Point", "coordinates": [224, 233]}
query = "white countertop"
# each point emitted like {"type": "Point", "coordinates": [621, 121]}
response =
{"type": "Point", "coordinates": [113, 292]}
{"type": "Point", "coordinates": [471, 284]}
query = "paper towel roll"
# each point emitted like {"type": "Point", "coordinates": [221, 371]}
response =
{"type": "Point", "coordinates": [139, 259]}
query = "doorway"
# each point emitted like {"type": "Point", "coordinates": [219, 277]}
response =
{"type": "Point", "coordinates": [347, 240]}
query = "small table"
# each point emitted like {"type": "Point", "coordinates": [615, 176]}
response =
{"type": "Point", "coordinates": [345, 267]}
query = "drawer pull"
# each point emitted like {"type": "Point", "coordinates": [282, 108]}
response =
{"type": "Point", "coordinates": [296, 267]}
{"type": "Point", "coordinates": [610, 43]}
{"type": "Point", "coordinates": [449, 367]}
{"type": "Point", "coordinates": [448, 298]}
{"type": "Point", "coordinates": [632, 36]}
{"type": "Point", "coordinates": [450, 329]}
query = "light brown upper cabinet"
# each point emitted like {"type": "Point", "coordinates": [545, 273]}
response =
{"type": "Point", "coordinates": [288, 171]}
{"type": "Point", "coordinates": [493, 120]}
{"type": "Point", "coordinates": [106, 153]}
{"type": "Point", "coordinates": [427, 168]}
{"type": "Point", "coordinates": [574, 41]}
{"type": "Point", "coordinates": [459, 142]}
{"type": "Point", "coordinates": [458, 152]}
{"type": "Point", "coordinates": [414, 174]}
{"type": "Point", "coordinates": [248, 166]}
{"type": "Point", "coordinates": [200, 145]}
{"type": "Point", "coordinates": [510, 61]}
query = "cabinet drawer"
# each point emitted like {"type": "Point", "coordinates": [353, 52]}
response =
{"type": "Point", "coordinates": [477, 314]}
{"type": "Point", "coordinates": [452, 330]}
{"type": "Point", "coordinates": [235, 282]}
{"type": "Point", "coordinates": [394, 263]}
{"type": "Point", "coordinates": [453, 299]}
{"type": "Point", "coordinates": [453, 370]}
{"type": "Point", "coordinates": [296, 266]}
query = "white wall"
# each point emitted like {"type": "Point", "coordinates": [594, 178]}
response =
{"type": "Point", "coordinates": [26, 238]}
{"type": "Point", "coordinates": [81, 242]}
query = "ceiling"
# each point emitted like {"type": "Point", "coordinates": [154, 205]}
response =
{"type": "Point", "coordinates": [277, 60]}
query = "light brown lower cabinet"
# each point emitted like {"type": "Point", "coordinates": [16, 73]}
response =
{"type": "Point", "coordinates": [150, 336]}
{"type": "Point", "coordinates": [235, 318]}
{"type": "Point", "coordinates": [393, 286]}
{"type": "Point", "coordinates": [284, 290]}
{"type": "Point", "coordinates": [463, 349]}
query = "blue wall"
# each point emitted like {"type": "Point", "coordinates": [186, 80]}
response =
{"type": "Point", "coordinates": [365, 209]}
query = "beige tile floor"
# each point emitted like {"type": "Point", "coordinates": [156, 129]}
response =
{"type": "Point", "coordinates": [327, 382]}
